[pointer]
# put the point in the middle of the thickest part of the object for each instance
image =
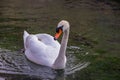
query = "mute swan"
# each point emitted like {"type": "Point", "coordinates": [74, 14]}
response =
{"type": "Point", "coordinates": [45, 50]}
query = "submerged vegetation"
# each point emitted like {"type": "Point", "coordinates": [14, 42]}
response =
{"type": "Point", "coordinates": [101, 68]}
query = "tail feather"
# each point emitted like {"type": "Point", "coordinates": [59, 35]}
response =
{"type": "Point", "coordinates": [25, 35]}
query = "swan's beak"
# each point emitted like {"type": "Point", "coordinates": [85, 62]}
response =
{"type": "Point", "coordinates": [58, 33]}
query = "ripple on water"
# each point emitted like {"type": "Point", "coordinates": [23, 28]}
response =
{"type": "Point", "coordinates": [74, 64]}
{"type": "Point", "coordinates": [15, 63]}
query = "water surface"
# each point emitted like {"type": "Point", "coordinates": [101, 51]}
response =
{"type": "Point", "coordinates": [94, 37]}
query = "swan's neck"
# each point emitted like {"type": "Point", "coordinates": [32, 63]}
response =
{"type": "Point", "coordinates": [60, 62]}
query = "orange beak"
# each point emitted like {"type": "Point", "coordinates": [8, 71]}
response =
{"type": "Point", "coordinates": [57, 35]}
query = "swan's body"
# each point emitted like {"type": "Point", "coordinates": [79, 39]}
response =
{"type": "Point", "coordinates": [44, 50]}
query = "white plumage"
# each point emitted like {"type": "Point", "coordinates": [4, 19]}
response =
{"type": "Point", "coordinates": [44, 50]}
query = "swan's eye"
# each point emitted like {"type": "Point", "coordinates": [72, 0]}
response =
{"type": "Point", "coordinates": [57, 29]}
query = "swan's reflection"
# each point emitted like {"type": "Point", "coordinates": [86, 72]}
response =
{"type": "Point", "coordinates": [46, 73]}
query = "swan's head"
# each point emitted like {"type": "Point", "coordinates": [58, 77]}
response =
{"type": "Point", "coordinates": [61, 27]}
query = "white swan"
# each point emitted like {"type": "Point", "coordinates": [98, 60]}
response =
{"type": "Point", "coordinates": [45, 50]}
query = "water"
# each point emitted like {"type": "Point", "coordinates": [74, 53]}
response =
{"type": "Point", "coordinates": [15, 63]}
{"type": "Point", "coordinates": [94, 32]}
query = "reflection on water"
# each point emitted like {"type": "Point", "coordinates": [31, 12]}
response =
{"type": "Point", "coordinates": [15, 63]}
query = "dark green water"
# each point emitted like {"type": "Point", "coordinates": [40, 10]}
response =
{"type": "Point", "coordinates": [95, 29]}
